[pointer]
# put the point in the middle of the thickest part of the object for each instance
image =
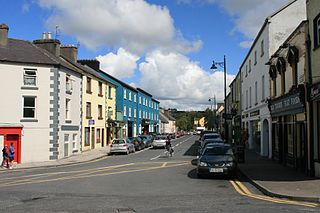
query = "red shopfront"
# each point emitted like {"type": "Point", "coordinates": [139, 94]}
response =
{"type": "Point", "coordinates": [10, 135]}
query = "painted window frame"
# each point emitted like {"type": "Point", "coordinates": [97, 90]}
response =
{"type": "Point", "coordinates": [29, 107]}
{"type": "Point", "coordinates": [28, 74]}
{"type": "Point", "coordinates": [89, 85]}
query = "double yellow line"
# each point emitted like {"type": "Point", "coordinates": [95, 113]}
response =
{"type": "Point", "coordinates": [243, 190]}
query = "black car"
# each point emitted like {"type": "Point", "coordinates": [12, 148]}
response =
{"type": "Point", "coordinates": [217, 159]}
{"type": "Point", "coordinates": [147, 139]}
{"type": "Point", "coordinates": [137, 142]}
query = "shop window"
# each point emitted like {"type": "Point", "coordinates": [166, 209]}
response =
{"type": "Point", "coordinates": [98, 139]}
{"type": "Point", "coordinates": [87, 136]}
{"type": "Point", "coordinates": [74, 142]}
{"type": "Point", "coordinates": [316, 25]}
{"type": "Point", "coordinates": [29, 107]}
{"type": "Point", "coordinates": [290, 133]}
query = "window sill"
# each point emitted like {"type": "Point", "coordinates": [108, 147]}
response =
{"type": "Point", "coordinates": [109, 98]}
{"type": "Point", "coordinates": [69, 92]}
{"type": "Point", "coordinates": [29, 120]}
{"type": "Point", "coordinates": [88, 117]}
{"type": "Point", "coordinates": [30, 87]}
{"type": "Point", "coordinates": [100, 118]}
{"type": "Point", "coordinates": [88, 92]}
{"type": "Point", "coordinates": [100, 95]}
{"type": "Point", "coordinates": [68, 121]}
{"type": "Point", "coordinates": [75, 151]}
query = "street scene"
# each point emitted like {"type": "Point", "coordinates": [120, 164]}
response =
{"type": "Point", "coordinates": [146, 181]}
{"type": "Point", "coordinates": [160, 106]}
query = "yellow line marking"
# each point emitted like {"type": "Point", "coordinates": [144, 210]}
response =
{"type": "Point", "coordinates": [164, 164]}
{"type": "Point", "coordinates": [89, 175]}
{"type": "Point", "coordinates": [243, 190]}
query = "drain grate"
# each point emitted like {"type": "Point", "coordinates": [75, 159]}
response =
{"type": "Point", "coordinates": [125, 210]}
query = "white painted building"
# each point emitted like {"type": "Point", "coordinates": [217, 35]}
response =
{"type": "Point", "coordinates": [255, 78]}
{"type": "Point", "coordinates": [41, 94]}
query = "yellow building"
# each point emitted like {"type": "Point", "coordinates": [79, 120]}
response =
{"type": "Point", "coordinates": [200, 122]}
{"type": "Point", "coordinates": [94, 110]}
{"type": "Point", "coordinates": [110, 102]}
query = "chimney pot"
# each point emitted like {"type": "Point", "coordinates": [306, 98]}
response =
{"type": "Point", "coordinates": [4, 34]}
{"type": "Point", "coordinates": [49, 35]}
{"type": "Point", "coordinates": [44, 35]}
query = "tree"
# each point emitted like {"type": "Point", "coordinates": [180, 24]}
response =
{"type": "Point", "coordinates": [185, 123]}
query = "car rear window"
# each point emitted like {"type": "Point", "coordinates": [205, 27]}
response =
{"type": "Point", "coordinates": [218, 150]}
{"type": "Point", "coordinates": [160, 138]}
{"type": "Point", "coordinates": [118, 142]}
{"type": "Point", "coordinates": [210, 136]}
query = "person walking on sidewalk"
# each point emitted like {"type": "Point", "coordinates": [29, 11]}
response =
{"type": "Point", "coordinates": [11, 155]}
{"type": "Point", "coordinates": [5, 156]}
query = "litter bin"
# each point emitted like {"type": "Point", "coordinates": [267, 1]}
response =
{"type": "Point", "coordinates": [240, 154]}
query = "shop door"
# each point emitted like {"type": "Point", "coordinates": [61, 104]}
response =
{"type": "Point", "coordinates": [93, 143]}
{"type": "Point", "coordinates": [130, 126]}
{"type": "Point", "coordinates": [15, 140]}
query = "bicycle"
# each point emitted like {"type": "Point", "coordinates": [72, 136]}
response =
{"type": "Point", "coordinates": [169, 151]}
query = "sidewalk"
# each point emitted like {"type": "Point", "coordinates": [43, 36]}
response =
{"type": "Point", "coordinates": [73, 159]}
{"type": "Point", "coordinates": [276, 180]}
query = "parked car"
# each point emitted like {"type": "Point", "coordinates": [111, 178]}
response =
{"type": "Point", "coordinates": [217, 159]}
{"type": "Point", "coordinates": [147, 140]}
{"type": "Point", "coordinates": [208, 136]}
{"type": "Point", "coordinates": [121, 146]}
{"type": "Point", "coordinates": [137, 142]}
{"type": "Point", "coordinates": [207, 142]}
{"type": "Point", "coordinates": [159, 141]}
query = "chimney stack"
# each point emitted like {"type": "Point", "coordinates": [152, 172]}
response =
{"type": "Point", "coordinates": [4, 34]}
{"type": "Point", "coordinates": [51, 45]}
{"type": "Point", "coordinates": [70, 52]}
{"type": "Point", "coordinates": [94, 64]}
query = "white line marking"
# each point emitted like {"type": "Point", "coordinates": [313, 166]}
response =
{"type": "Point", "coordinates": [156, 157]}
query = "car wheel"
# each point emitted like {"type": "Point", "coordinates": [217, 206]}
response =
{"type": "Point", "coordinates": [127, 152]}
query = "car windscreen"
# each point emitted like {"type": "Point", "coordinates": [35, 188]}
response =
{"type": "Point", "coordinates": [212, 141]}
{"type": "Point", "coordinates": [160, 138]}
{"type": "Point", "coordinates": [218, 150]}
{"type": "Point", "coordinates": [118, 142]}
{"type": "Point", "coordinates": [210, 136]}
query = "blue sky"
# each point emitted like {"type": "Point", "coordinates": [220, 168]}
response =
{"type": "Point", "coordinates": [163, 46]}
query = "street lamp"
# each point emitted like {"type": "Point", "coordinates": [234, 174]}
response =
{"type": "Point", "coordinates": [224, 65]}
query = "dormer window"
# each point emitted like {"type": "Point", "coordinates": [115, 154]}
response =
{"type": "Point", "coordinates": [30, 77]}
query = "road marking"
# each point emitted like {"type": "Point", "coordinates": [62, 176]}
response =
{"type": "Point", "coordinates": [91, 175]}
{"type": "Point", "coordinates": [164, 164]}
{"type": "Point", "coordinates": [156, 157]}
{"type": "Point", "coordinates": [243, 190]}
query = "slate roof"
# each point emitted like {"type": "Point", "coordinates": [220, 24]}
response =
{"type": "Point", "coordinates": [20, 51]}
{"type": "Point", "coordinates": [163, 118]}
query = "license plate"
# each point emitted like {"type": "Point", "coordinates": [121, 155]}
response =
{"type": "Point", "coordinates": [216, 170]}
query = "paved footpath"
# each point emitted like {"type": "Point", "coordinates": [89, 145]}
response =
{"type": "Point", "coordinates": [276, 180]}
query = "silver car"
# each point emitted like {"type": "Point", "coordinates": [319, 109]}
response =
{"type": "Point", "coordinates": [122, 146]}
{"type": "Point", "coordinates": [159, 141]}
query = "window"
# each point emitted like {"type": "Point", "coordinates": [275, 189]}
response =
{"type": "Point", "coordinates": [87, 136]}
{"type": "Point", "coordinates": [68, 84]}
{"type": "Point", "coordinates": [246, 70]}
{"type": "Point", "coordinates": [262, 89]}
{"type": "Point", "coordinates": [68, 109]}
{"type": "Point", "coordinates": [66, 138]}
{"type": "Point", "coordinates": [124, 110]}
{"type": "Point", "coordinates": [130, 96]}
{"type": "Point", "coordinates": [135, 112]}
{"type": "Point", "coordinates": [110, 112]}
{"type": "Point", "coordinates": [250, 97]}
{"type": "Point", "coordinates": [109, 92]}
{"type": "Point", "coordinates": [255, 57]}
{"type": "Point", "coordinates": [316, 25]}
{"type": "Point", "coordinates": [88, 90]}
{"type": "Point", "coordinates": [88, 110]}
{"type": "Point", "coordinates": [135, 97]}
{"type": "Point", "coordinates": [30, 77]}
{"type": "Point", "coordinates": [140, 100]}
{"type": "Point", "coordinates": [74, 141]}
{"type": "Point", "coordinates": [139, 113]}
{"type": "Point", "coordinates": [100, 112]}
{"type": "Point", "coordinates": [100, 89]}
{"type": "Point", "coordinates": [256, 92]}
{"type": "Point", "coordinates": [125, 94]}
{"type": "Point", "coordinates": [247, 99]}
{"type": "Point", "coordinates": [262, 48]}
{"type": "Point", "coordinates": [129, 115]}
{"type": "Point", "coordinates": [98, 138]}
{"type": "Point", "coordinates": [250, 65]}
{"type": "Point", "coordinates": [29, 107]}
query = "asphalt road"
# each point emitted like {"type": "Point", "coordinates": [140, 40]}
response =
{"type": "Point", "coordinates": [147, 181]}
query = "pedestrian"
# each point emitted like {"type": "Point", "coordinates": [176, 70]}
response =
{"type": "Point", "coordinates": [5, 156]}
{"type": "Point", "coordinates": [11, 155]}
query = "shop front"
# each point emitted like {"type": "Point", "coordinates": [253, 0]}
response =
{"type": "Point", "coordinates": [145, 126]}
{"type": "Point", "coordinates": [11, 134]}
{"type": "Point", "coordinates": [289, 122]}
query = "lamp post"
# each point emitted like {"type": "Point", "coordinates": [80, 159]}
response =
{"type": "Point", "coordinates": [212, 100]}
{"type": "Point", "coordinates": [224, 65]}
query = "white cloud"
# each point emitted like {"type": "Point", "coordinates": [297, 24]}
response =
{"type": "Point", "coordinates": [180, 83]}
{"type": "Point", "coordinates": [249, 15]}
{"type": "Point", "coordinates": [25, 8]}
{"type": "Point", "coordinates": [121, 65]}
{"type": "Point", "coordinates": [133, 24]}
{"type": "Point", "coordinates": [246, 44]}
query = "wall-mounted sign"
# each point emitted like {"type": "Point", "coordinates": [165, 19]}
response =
{"type": "Point", "coordinates": [289, 104]}
{"type": "Point", "coordinates": [254, 113]}
{"type": "Point", "coordinates": [90, 122]}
